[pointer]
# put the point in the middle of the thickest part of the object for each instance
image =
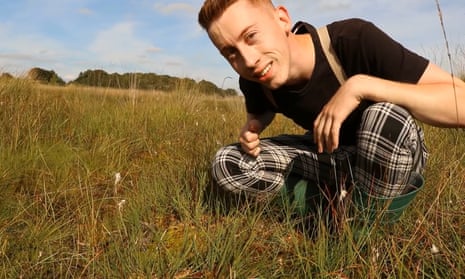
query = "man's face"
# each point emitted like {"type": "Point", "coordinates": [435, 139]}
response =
{"type": "Point", "coordinates": [253, 38]}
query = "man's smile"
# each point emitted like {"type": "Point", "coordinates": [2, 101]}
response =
{"type": "Point", "coordinates": [266, 70]}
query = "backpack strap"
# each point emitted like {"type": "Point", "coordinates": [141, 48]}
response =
{"type": "Point", "coordinates": [330, 54]}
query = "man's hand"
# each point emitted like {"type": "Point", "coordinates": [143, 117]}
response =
{"type": "Point", "coordinates": [249, 137]}
{"type": "Point", "coordinates": [327, 125]}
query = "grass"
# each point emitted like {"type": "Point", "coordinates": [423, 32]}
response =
{"type": "Point", "coordinates": [63, 213]}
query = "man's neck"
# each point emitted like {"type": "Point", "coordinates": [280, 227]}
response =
{"type": "Point", "coordinates": [302, 59]}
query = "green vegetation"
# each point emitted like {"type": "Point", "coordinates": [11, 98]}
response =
{"type": "Point", "coordinates": [143, 81]}
{"type": "Point", "coordinates": [44, 76]}
{"type": "Point", "coordinates": [147, 81]}
{"type": "Point", "coordinates": [105, 183]}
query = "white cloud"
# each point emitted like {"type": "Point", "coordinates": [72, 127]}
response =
{"type": "Point", "coordinates": [334, 4]}
{"type": "Point", "coordinates": [119, 44]}
{"type": "Point", "coordinates": [310, 9]}
{"type": "Point", "coordinates": [23, 51]}
{"type": "Point", "coordinates": [154, 49]}
{"type": "Point", "coordinates": [85, 11]}
{"type": "Point", "coordinates": [175, 8]}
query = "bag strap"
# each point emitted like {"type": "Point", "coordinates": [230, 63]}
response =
{"type": "Point", "coordinates": [330, 54]}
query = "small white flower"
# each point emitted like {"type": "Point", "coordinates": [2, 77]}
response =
{"type": "Point", "coordinates": [121, 204]}
{"type": "Point", "coordinates": [343, 195]}
{"type": "Point", "coordinates": [117, 178]}
{"type": "Point", "coordinates": [434, 249]}
{"type": "Point", "coordinates": [376, 254]}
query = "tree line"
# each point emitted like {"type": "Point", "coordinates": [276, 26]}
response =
{"type": "Point", "coordinates": [144, 81]}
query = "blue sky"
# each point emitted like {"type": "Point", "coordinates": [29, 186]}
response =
{"type": "Point", "coordinates": [163, 37]}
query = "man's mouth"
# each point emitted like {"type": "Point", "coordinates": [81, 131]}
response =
{"type": "Point", "coordinates": [266, 70]}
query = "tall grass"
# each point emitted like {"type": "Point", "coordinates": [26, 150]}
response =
{"type": "Point", "coordinates": [64, 211]}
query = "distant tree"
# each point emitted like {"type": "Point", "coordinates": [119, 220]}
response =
{"type": "Point", "coordinates": [45, 76]}
{"type": "Point", "coordinates": [6, 76]}
{"type": "Point", "coordinates": [230, 92]}
{"type": "Point", "coordinates": [147, 81]}
{"type": "Point", "coordinates": [208, 87]}
{"type": "Point", "coordinates": [98, 78]}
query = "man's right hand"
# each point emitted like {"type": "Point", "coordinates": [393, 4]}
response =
{"type": "Point", "coordinates": [249, 137]}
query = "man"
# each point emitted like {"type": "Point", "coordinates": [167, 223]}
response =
{"type": "Point", "coordinates": [367, 122]}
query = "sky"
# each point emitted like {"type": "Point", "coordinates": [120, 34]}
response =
{"type": "Point", "coordinates": [163, 37]}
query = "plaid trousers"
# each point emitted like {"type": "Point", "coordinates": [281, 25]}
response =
{"type": "Point", "coordinates": [390, 147]}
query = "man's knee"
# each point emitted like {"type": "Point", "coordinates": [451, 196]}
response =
{"type": "Point", "coordinates": [225, 166]}
{"type": "Point", "coordinates": [390, 146]}
{"type": "Point", "coordinates": [386, 119]}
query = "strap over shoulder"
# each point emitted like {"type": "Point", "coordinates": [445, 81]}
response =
{"type": "Point", "coordinates": [330, 54]}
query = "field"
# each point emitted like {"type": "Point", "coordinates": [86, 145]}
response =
{"type": "Point", "coordinates": [104, 183]}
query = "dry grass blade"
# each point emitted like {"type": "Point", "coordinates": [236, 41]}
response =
{"type": "Point", "coordinates": [449, 56]}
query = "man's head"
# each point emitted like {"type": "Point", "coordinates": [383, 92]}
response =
{"type": "Point", "coordinates": [252, 35]}
{"type": "Point", "coordinates": [212, 9]}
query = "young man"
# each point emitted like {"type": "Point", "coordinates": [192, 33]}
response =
{"type": "Point", "coordinates": [367, 122]}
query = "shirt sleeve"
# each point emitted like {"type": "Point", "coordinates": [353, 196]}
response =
{"type": "Point", "coordinates": [364, 48]}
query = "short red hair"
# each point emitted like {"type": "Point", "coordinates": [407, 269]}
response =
{"type": "Point", "coordinates": [212, 9]}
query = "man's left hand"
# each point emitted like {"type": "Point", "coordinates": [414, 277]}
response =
{"type": "Point", "coordinates": [327, 125]}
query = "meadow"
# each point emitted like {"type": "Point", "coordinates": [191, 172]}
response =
{"type": "Point", "coordinates": [106, 183]}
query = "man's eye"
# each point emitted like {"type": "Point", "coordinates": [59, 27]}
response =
{"type": "Point", "coordinates": [251, 37]}
{"type": "Point", "coordinates": [229, 53]}
{"type": "Point", "coordinates": [231, 56]}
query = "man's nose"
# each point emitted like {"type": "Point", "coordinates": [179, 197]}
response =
{"type": "Point", "coordinates": [250, 56]}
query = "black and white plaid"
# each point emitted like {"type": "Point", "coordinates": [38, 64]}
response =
{"type": "Point", "coordinates": [390, 146]}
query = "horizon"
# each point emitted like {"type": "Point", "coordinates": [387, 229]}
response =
{"type": "Point", "coordinates": [163, 37]}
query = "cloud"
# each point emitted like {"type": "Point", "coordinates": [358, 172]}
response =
{"type": "Point", "coordinates": [175, 8]}
{"type": "Point", "coordinates": [153, 49]}
{"type": "Point", "coordinates": [23, 57]}
{"type": "Point", "coordinates": [331, 5]}
{"type": "Point", "coordinates": [32, 48]}
{"type": "Point", "coordinates": [309, 8]}
{"type": "Point", "coordinates": [85, 11]}
{"type": "Point", "coordinates": [119, 44]}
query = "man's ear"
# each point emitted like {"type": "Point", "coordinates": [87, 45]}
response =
{"type": "Point", "coordinates": [282, 15]}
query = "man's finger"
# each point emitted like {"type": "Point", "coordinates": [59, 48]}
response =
{"type": "Point", "coordinates": [335, 129]}
{"type": "Point", "coordinates": [254, 126]}
{"type": "Point", "coordinates": [318, 132]}
{"type": "Point", "coordinates": [255, 151]}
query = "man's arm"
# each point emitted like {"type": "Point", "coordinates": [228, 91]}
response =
{"type": "Point", "coordinates": [436, 99]}
{"type": "Point", "coordinates": [249, 136]}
